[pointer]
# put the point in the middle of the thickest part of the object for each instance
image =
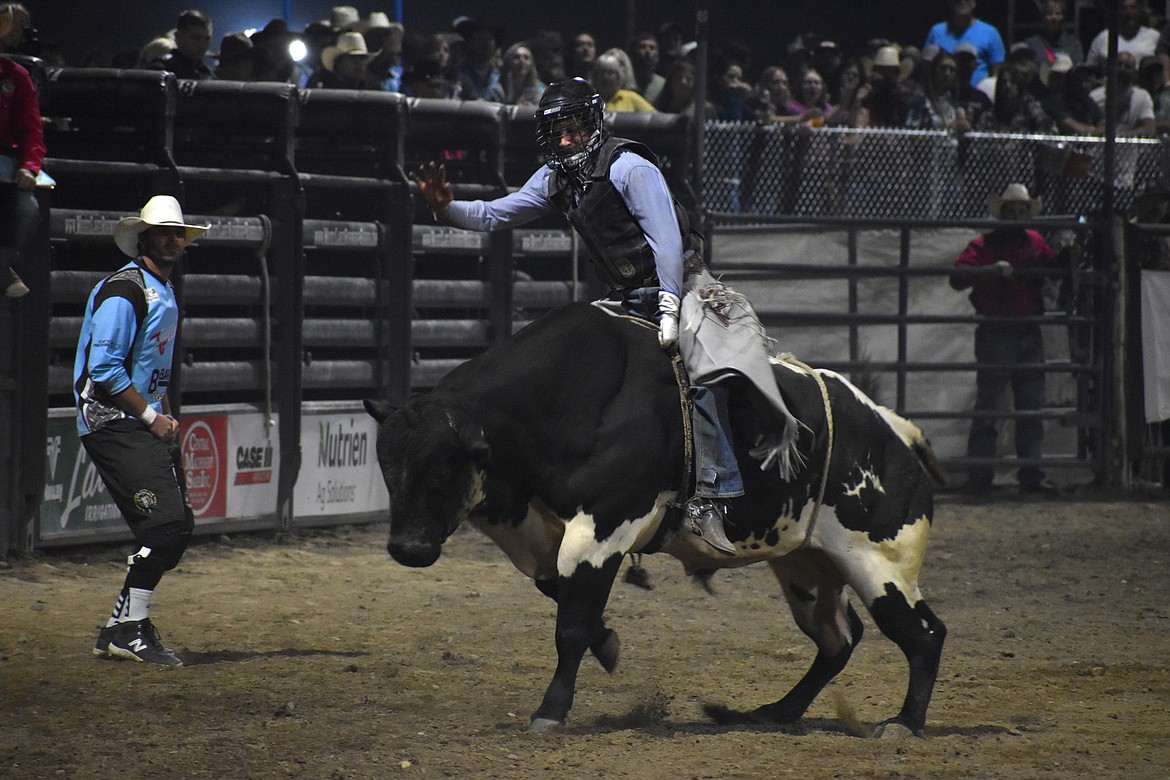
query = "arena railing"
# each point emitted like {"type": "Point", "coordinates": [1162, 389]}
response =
{"type": "Point", "coordinates": [771, 170]}
{"type": "Point", "coordinates": [109, 135]}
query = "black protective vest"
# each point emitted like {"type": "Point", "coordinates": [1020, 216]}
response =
{"type": "Point", "coordinates": [619, 249]}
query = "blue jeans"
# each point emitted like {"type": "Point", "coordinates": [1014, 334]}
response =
{"type": "Point", "coordinates": [1007, 344]}
{"type": "Point", "coordinates": [19, 214]}
{"type": "Point", "coordinates": [716, 469]}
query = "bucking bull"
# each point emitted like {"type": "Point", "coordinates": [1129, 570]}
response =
{"type": "Point", "coordinates": [565, 445]}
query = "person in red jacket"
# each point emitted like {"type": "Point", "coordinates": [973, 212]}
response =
{"type": "Point", "coordinates": [988, 267]}
{"type": "Point", "coordinates": [22, 147]}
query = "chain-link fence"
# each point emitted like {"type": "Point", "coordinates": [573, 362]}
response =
{"type": "Point", "coordinates": [768, 170]}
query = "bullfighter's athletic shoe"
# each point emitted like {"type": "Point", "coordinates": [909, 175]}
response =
{"type": "Point", "coordinates": [102, 648]}
{"type": "Point", "coordinates": [704, 518]}
{"type": "Point", "coordinates": [138, 640]}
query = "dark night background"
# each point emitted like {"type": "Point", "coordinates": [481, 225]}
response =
{"type": "Point", "coordinates": [766, 26]}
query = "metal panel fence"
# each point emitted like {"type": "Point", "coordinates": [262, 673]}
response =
{"type": "Point", "coordinates": [769, 170]}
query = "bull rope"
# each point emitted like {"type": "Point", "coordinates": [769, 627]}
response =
{"type": "Point", "coordinates": [791, 359]}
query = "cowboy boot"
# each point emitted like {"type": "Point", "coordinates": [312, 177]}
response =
{"type": "Point", "coordinates": [704, 518]}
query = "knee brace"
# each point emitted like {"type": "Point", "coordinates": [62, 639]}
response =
{"type": "Point", "coordinates": [162, 549]}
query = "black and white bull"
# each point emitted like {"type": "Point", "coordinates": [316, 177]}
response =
{"type": "Point", "coordinates": [565, 446]}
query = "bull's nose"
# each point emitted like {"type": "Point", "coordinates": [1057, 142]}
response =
{"type": "Point", "coordinates": [413, 553]}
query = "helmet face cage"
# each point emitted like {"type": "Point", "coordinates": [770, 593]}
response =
{"type": "Point", "coordinates": [562, 116]}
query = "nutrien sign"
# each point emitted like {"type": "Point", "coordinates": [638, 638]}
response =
{"type": "Point", "coordinates": [340, 474]}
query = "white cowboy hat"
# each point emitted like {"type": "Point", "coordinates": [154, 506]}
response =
{"type": "Point", "coordinates": [377, 20]}
{"type": "Point", "coordinates": [5, 20]}
{"type": "Point", "coordinates": [1013, 193]}
{"type": "Point", "coordinates": [1061, 63]}
{"type": "Point", "coordinates": [348, 44]}
{"type": "Point", "coordinates": [344, 17]}
{"type": "Point", "coordinates": [887, 57]}
{"type": "Point", "coordinates": [159, 211]}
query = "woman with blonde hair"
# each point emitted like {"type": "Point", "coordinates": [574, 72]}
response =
{"type": "Point", "coordinates": [626, 67]}
{"type": "Point", "coordinates": [607, 79]}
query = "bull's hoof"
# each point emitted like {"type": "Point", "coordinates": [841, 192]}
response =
{"type": "Point", "coordinates": [545, 726]}
{"type": "Point", "coordinates": [608, 650]}
{"type": "Point", "coordinates": [778, 713]}
{"type": "Point", "coordinates": [894, 729]}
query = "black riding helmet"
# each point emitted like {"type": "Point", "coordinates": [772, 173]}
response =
{"type": "Point", "coordinates": [569, 106]}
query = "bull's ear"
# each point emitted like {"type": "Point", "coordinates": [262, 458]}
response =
{"type": "Point", "coordinates": [379, 410]}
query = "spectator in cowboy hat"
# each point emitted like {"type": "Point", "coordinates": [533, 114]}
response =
{"type": "Point", "coordinates": [273, 60]}
{"type": "Point", "coordinates": [386, 37]}
{"type": "Point", "coordinates": [886, 103]}
{"type": "Point", "coordinates": [235, 58]}
{"type": "Point", "coordinates": [344, 18]}
{"type": "Point", "coordinates": [316, 36]}
{"type": "Point", "coordinates": [344, 64]}
{"type": "Point", "coordinates": [1000, 296]}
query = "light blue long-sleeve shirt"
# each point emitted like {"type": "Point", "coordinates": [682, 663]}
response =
{"type": "Point", "coordinates": [115, 352]}
{"type": "Point", "coordinates": [637, 180]}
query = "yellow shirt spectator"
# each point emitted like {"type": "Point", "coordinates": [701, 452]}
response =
{"type": "Point", "coordinates": [628, 100]}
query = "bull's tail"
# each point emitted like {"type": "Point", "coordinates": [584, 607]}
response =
{"type": "Point", "coordinates": [918, 442]}
{"type": "Point", "coordinates": [927, 458]}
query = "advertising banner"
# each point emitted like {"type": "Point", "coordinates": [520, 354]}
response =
{"type": "Point", "coordinates": [76, 502]}
{"type": "Point", "coordinates": [231, 460]}
{"type": "Point", "coordinates": [339, 468]}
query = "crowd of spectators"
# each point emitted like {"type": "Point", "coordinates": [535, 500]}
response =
{"type": "Point", "coordinates": [961, 78]}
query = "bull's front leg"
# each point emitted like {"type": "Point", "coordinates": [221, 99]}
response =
{"type": "Point", "coordinates": [581, 599]}
{"type": "Point", "coordinates": [606, 649]}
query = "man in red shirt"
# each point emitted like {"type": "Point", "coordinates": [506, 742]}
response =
{"type": "Point", "coordinates": [987, 266]}
{"type": "Point", "coordinates": [22, 147]}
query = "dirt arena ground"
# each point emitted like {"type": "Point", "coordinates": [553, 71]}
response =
{"type": "Point", "coordinates": [312, 655]}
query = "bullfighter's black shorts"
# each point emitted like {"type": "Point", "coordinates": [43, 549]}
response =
{"type": "Point", "coordinates": [144, 476]}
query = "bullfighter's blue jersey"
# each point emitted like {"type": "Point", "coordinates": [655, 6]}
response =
{"type": "Point", "coordinates": [127, 339]}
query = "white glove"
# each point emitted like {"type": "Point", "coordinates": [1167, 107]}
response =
{"type": "Point", "coordinates": [668, 326]}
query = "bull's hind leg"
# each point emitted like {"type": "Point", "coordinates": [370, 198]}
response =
{"type": "Point", "coordinates": [816, 596]}
{"type": "Point", "coordinates": [885, 576]}
{"type": "Point", "coordinates": [909, 622]}
{"type": "Point", "coordinates": [581, 600]}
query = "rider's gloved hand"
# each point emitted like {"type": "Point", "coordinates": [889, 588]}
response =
{"type": "Point", "coordinates": [668, 326]}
